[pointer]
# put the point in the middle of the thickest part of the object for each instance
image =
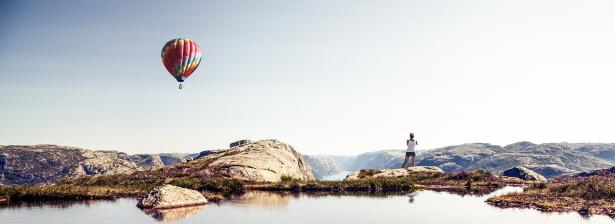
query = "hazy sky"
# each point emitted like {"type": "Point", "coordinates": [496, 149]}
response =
{"type": "Point", "coordinates": [328, 77]}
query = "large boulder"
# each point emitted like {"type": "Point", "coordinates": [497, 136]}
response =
{"type": "Point", "coordinates": [263, 161]}
{"type": "Point", "coordinates": [524, 174]}
{"type": "Point", "coordinates": [239, 143]}
{"type": "Point", "coordinates": [402, 172]}
{"type": "Point", "coordinates": [169, 196]}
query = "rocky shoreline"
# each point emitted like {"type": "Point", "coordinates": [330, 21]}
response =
{"type": "Point", "coordinates": [215, 190]}
{"type": "Point", "coordinates": [270, 165]}
{"type": "Point", "coordinates": [586, 194]}
{"type": "Point", "coordinates": [140, 183]}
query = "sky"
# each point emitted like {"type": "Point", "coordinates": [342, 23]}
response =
{"type": "Point", "coordinates": [328, 77]}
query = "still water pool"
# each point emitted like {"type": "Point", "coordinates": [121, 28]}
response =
{"type": "Point", "coordinates": [266, 208]}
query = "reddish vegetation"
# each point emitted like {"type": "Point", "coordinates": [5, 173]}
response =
{"type": "Point", "coordinates": [588, 195]}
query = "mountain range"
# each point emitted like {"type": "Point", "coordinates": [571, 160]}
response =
{"type": "Point", "coordinates": [32, 164]}
{"type": "Point", "coordinates": [548, 159]}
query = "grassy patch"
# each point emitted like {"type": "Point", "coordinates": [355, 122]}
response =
{"type": "Point", "coordinates": [364, 173]}
{"type": "Point", "coordinates": [108, 187]}
{"type": "Point", "coordinates": [219, 185]}
{"type": "Point", "coordinates": [63, 192]}
{"type": "Point", "coordinates": [286, 178]}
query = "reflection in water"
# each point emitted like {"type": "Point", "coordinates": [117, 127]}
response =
{"type": "Point", "coordinates": [502, 191]}
{"type": "Point", "coordinates": [282, 199]}
{"type": "Point", "coordinates": [51, 204]}
{"type": "Point", "coordinates": [174, 214]}
{"type": "Point", "coordinates": [411, 196]}
{"type": "Point", "coordinates": [463, 191]}
{"type": "Point", "coordinates": [341, 195]}
{"type": "Point", "coordinates": [262, 198]}
{"type": "Point", "coordinates": [505, 190]}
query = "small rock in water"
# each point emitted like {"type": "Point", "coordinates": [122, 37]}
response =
{"type": "Point", "coordinates": [169, 196]}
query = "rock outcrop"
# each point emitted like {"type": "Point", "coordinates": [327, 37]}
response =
{"type": "Point", "coordinates": [401, 172]}
{"type": "Point", "coordinates": [524, 174]}
{"type": "Point", "coordinates": [27, 165]}
{"type": "Point", "coordinates": [169, 196]}
{"type": "Point", "coordinates": [266, 160]}
{"type": "Point", "coordinates": [549, 159]}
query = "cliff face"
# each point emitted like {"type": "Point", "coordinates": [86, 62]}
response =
{"type": "Point", "coordinates": [377, 160]}
{"type": "Point", "coordinates": [549, 159]}
{"type": "Point", "coordinates": [26, 165]}
{"type": "Point", "coordinates": [327, 165]}
{"type": "Point", "coordinates": [266, 160]}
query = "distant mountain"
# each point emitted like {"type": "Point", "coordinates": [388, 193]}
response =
{"type": "Point", "coordinates": [327, 164]}
{"type": "Point", "coordinates": [162, 159]}
{"type": "Point", "coordinates": [26, 165]}
{"type": "Point", "coordinates": [549, 159]}
{"type": "Point", "coordinates": [377, 160]}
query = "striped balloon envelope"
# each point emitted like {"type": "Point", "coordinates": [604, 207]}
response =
{"type": "Point", "coordinates": [181, 56]}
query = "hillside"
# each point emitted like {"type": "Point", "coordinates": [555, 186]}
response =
{"type": "Point", "coordinates": [549, 159]}
{"type": "Point", "coordinates": [26, 165]}
{"type": "Point", "coordinates": [266, 160]}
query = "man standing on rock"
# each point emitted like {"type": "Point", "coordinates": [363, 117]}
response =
{"type": "Point", "coordinates": [411, 143]}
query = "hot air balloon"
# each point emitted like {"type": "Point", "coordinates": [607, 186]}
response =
{"type": "Point", "coordinates": [181, 56]}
